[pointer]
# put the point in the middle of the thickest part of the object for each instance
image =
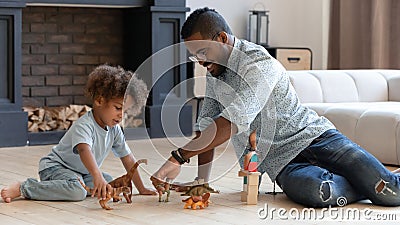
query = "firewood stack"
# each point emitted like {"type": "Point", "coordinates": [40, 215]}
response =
{"type": "Point", "coordinates": [131, 121]}
{"type": "Point", "coordinates": [53, 118]}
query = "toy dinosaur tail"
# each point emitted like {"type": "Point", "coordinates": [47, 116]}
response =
{"type": "Point", "coordinates": [135, 166]}
{"type": "Point", "coordinates": [84, 186]}
{"type": "Point", "coordinates": [205, 197]}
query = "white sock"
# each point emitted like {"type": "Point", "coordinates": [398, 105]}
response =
{"type": "Point", "coordinates": [204, 172]}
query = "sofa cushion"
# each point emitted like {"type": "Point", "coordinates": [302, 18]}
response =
{"type": "Point", "coordinates": [363, 104]}
{"type": "Point", "coordinates": [327, 86]}
{"type": "Point", "coordinates": [371, 85]}
{"type": "Point", "coordinates": [373, 125]}
{"type": "Point", "coordinates": [309, 85]}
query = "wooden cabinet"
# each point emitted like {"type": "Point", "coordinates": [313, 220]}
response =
{"type": "Point", "coordinates": [292, 58]}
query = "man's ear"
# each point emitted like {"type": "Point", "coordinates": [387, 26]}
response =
{"type": "Point", "coordinates": [224, 36]}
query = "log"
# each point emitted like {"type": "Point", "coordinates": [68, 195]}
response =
{"type": "Point", "coordinates": [42, 119]}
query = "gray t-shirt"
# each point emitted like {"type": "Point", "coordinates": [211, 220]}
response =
{"type": "Point", "coordinates": [255, 93]}
{"type": "Point", "coordinates": [86, 130]}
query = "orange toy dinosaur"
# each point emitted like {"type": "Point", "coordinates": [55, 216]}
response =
{"type": "Point", "coordinates": [115, 192]}
{"type": "Point", "coordinates": [126, 181]}
{"type": "Point", "coordinates": [197, 201]}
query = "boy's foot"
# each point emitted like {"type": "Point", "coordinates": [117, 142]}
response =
{"type": "Point", "coordinates": [11, 192]}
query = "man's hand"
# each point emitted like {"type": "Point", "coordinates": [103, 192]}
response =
{"type": "Point", "coordinates": [164, 176]}
{"type": "Point", "coordinates": [169, 171]}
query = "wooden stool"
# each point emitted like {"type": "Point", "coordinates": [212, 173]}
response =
{"type": "Point", "coordinates": [250, 186]}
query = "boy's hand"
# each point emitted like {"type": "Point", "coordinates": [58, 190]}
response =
{"type": "Point", "coordinates": [101, 187]}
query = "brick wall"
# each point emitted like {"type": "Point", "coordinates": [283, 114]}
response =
{"type": "Point", "coordinates": [61, 46]}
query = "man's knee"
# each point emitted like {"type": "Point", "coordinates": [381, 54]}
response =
{"type": "Point", "coordinates": [386, 194]}
{"type": "Point", "coordinates": [320, 196]}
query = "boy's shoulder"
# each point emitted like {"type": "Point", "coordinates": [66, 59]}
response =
{"type": "Point", "coordinates": [86, 120]}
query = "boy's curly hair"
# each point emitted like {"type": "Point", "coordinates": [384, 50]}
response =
{"type": "Point", "coordinates": [112, 82]}
{"type": "Point", "coordinates": [108, 82]}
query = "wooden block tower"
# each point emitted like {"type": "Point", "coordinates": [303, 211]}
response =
{"type": "Point", "coordinates": [250, 186]}
{"type": "Point", "coordinates": [250, 174]}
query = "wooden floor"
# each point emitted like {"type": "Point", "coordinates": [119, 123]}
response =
{"type": "Point", "coordinates": [19, 163]}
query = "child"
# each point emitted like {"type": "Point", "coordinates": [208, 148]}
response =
{"type": "Point", "coordinates": [82, 150]}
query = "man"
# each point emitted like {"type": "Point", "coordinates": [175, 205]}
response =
{"type": "Point", "coordinates": [248, 90]}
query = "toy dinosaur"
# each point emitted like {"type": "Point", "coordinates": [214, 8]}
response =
{"type": "Point", "coordinates": [162, 187]}
{"type": "Point", "coordinates": [199, 190]}
{"type": "Point", "coordinates": [115, 192]}
{"type": "Point", "coordinates": [126, 181]}
{"type": "Point", "coordinates": [197, 201]}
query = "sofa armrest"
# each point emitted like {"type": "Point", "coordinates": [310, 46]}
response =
{"type": "Point", "coordinates": [394, 88]}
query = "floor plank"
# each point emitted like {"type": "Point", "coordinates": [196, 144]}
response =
{"type": "Point", "coordinates": [226, 207]}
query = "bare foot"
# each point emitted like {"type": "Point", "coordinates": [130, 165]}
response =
{"type": "Point", "coordinates": [11, 192]}
{"type": "Point", "coordinates": [148, 192]}
{"type": "Point", "coordinates": [396, 171]}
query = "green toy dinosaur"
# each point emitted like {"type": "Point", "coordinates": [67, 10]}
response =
{"type": "Point", "coordinates": [199, 190]}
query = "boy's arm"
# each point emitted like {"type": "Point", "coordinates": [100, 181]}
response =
{"type": "Point", "coordinates": [128, 161]}
{"type": "Point", "coordinates": [87, 158]}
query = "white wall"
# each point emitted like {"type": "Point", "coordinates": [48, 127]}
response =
{"type": "Point", "coordinates": [293, 23]}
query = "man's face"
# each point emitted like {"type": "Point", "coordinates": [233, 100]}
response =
{"type": "Point", "coordinates": [209, 52]}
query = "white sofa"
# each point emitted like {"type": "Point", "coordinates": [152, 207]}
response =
{"type": "Point", "coordinates": [363, 104]}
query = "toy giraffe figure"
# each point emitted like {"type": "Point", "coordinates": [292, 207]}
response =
{"type": "Point", "coordinates": [251, 159]}
{"type": "Point", "coordinates": [249, 173]}
{"type": "Point", "coordinates": [162, 187]}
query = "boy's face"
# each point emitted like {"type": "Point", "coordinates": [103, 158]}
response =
{"type": "Point", "coordinates": [108, 113]}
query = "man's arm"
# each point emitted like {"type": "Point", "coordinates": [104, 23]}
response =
{"type": "Point", "coordinates": [214, 135]}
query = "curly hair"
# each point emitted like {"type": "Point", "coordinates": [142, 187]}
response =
{"type": "Point", "coordinates": [108, 82]}
{"type": "Point", "coordinates": [206, 21]}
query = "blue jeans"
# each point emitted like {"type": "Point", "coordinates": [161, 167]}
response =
{"type": "Point", "coordinates": [334, 171]}
{"type": "Point", "coordinates": [58, 183]}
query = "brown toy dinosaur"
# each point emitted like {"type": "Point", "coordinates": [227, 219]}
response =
{"type": "Point", "coordinates": [126, 181]}
{"type": "Point", "coordinates": [115, 192]}
{"type": "Point", "coordinates": [197, 201]}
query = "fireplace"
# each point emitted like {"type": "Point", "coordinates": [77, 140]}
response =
{"type": "Point", "coordinates": [48, 47]}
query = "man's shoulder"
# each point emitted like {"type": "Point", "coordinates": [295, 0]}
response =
{"type": "Point", "coordinates": [249, 52]}
{"type": "Point", "coordinates": [250, 47]}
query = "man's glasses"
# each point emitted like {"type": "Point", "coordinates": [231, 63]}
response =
{"type": "Point", "coordinates": [201, 55]}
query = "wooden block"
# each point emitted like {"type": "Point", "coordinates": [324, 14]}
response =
{"type": "Point", "coordinates": [243, 196]}
{"type": "Point", "coordinates": [243, 173]}
{"type": "Point", "coordinates": [252, 195]}
{"type": "Point", "coordinates": [253, 180]}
